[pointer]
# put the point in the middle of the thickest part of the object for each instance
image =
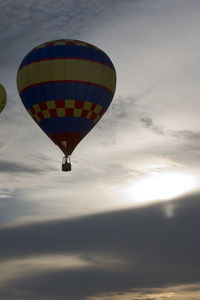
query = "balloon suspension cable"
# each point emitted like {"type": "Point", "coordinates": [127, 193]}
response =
{"type": "Point", "coordinates": [66, 161]}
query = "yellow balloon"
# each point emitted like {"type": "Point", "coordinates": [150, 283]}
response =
{"type": "Point", "coordinates": [3, 97]}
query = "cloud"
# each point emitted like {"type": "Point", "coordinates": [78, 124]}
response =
{"type": "Point", "coordinates": [39, 165]}
{"type": "Point", "coordinates": [148, 123]}
{"type": "Point", "coordinates": [163, 130]}
{"type": "Point", "coordinates": [12, 207]}
{"type": "Point", "coordinates": [34, 22]}
{"type": "Point", "coordinates": [125, 250]}
{"type": "Point", "coordinates": [121, 116]}
{"type": "Point", "coordinates": [13, 167]}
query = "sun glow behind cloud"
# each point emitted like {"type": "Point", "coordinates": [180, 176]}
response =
{"type": "Point", "coordinates": [180, 292]}
{"type": "Point", "coordinates": [158, 186]}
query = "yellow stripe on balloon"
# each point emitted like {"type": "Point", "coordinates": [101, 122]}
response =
{"type": "Point", "coordinates": [66, 69]}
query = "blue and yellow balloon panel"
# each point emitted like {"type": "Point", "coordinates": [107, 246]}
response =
{"type": "Point", "coordinates": [66, 86]}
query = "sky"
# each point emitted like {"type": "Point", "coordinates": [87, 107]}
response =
{"type": "Point", "coordinates": [124, 224]}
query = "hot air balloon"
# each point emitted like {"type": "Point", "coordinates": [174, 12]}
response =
{"type": "Point", "coordinates": [66, 86]}
{"type": "Point", "coordinates": [3, 97]}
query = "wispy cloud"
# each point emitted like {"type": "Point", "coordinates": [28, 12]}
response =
{"type": "Point", "coordinates": [13, 167]}
{"type": "Point", "coordinates": [148, 123]}
{"type": "Point", "coordinates": [37, 21]}
{"type": "Point", "coordinates": [163, 130]}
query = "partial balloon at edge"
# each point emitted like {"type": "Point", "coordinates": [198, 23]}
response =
{"type": "Point", "coordinates": [3, 97]}
{"type": "Point", "coordinates": [66, 86]}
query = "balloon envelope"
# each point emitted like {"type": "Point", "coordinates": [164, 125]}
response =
{"type": "Point", "coordinates": [66, 86]}
{"type": "Point", "coordinates": [3, 97]}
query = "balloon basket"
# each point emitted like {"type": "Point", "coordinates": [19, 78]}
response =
{"type": "Point", "coordinates": [66, 163]}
